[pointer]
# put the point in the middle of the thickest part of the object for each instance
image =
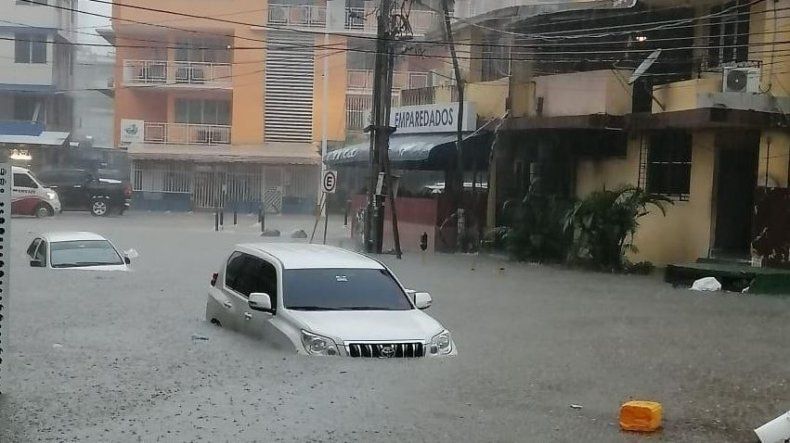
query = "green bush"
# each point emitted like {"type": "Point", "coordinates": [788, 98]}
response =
{"type": "Point", "coordinates": [602, 226]}
{"type": "Point", "coordinates": [536, 229]}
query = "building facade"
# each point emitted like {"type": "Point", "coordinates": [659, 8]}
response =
{"type": "Point", "coordinates": [704, 123]}
{"type": "Point", "coordinates": [231, 110]}
{"type": "Point", "coordinates": [36, 67]}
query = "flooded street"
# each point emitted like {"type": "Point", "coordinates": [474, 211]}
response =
{"type": "Point", "coordinates": [121, 356]}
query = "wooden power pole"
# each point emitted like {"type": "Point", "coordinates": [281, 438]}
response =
{"type": "Point", "coordinates": [380, 131]}
{"type": "Point", "coordinates": [457, 189]}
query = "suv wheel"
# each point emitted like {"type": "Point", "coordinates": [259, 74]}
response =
{"type": "Point", "coordinates": [44, 210]}
{"type": "Point", "coordinates": [99, 207]}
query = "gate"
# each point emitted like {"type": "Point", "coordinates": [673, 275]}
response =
{"type": "Point", "coordinates": [273, 189]}
{"type": "Point", "coordinates": [209, 189]}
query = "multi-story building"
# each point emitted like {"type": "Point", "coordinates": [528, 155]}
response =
{"type": "Point", "coordinates": [36, 72]}
{"type": "Point", "coordinates": [705, 123]}
{"type": "Point", "coordinates": [231, 110]}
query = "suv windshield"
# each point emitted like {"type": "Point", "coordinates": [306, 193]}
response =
{"type": "Point", "coordinates": [71, 254]}
{"type": "Point", "coordinates": [343, 289]}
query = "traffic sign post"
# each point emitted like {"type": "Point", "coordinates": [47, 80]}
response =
{"type": "Point", "coordinates": [329, 182]}
{"type": "Point", "coordinates": [328, 186]}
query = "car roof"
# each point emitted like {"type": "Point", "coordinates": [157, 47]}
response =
{"type": "Point", "coordinates": [54, 237]}
{"type": "Point", "coordinates": [306, 256]}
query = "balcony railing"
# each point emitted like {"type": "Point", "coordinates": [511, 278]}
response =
{"type": "Point", "coordinates": [186, 134]}
{"type": "Point", "coordinates": [358, 107]}
{"type": "Point", "coordinates": [429, 95]}
{"type": "Point", "coordinates": [356, 18]}
{"type": "Point", "coordinates": [361, 79]}
{"type": "Point", "coordinates": [177, 73]}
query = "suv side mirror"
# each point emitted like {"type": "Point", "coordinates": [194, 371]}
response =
{"type": "Point", "coordinates": [127, 260]}
{"type": "Point", "coordinates": [37, 264]}
{"type": "Point", "coordinates": [422, 300]}
{"type": "Point", "coordinates": [260, 302]}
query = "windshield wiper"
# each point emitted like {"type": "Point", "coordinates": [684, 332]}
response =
{"type": "Point", "coordinates": [365, 308]}
{"type": "Point", "coordinates": [83, 263]}
{"type": "Point", "coordinates": [311, 308]}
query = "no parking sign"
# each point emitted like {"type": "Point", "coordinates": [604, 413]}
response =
{"type": "Point", "coordinates": [329, 182]}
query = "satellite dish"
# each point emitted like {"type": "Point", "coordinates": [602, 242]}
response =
{"type": "Point", "coordinates": [640, 71]}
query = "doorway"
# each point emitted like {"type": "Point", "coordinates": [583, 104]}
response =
{"type": "Point", "coordinates": [736, 179]}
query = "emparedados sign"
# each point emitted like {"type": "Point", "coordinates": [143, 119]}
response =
{"type": "Point", "coordinates": [432, 118]}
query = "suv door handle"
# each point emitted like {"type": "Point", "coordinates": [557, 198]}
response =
{"type": "Point", "coordinates": [247, 316]}
{"type": "Point", "coordinates": [227, 304]}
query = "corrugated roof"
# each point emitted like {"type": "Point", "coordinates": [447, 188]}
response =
{"type": "Point", "coordinates": [272, 153]}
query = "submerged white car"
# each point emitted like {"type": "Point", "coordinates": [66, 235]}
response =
{"type": "Point", "coordinates": [76, 250]}
{"type": "Point", "coordinates": [321, 300]}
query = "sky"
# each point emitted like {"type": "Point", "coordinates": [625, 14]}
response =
{"type": "Point", "coordinates": [88, 23]}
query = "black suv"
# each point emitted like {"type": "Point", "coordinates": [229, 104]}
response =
{"type": "Point", "coordinates": [80, 189]}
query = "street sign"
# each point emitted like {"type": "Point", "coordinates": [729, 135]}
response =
{"type": "Point", "coordinates": [5, 256]}
{"type": "Point", "coordinates": [329, 182]}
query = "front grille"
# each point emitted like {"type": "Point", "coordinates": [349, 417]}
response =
{"type": "Point", "coordinates": [386, 350]}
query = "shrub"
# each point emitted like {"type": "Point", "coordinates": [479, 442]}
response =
{"type": "Point", "coordinates": [536, 229]}
{"type": "Point", "coordinates": [602, 226]}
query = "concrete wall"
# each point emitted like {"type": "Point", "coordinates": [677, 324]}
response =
{"type": "Point", "coordinates": [32, 15]}
{"type": "Point", "coordinates": [681, 96]}
{"type": "Point", "coordinates": [490, 98]}
{"type": "Point", "coordinates": [685, 233]}
{"type": "Point", "coordinates": [24, 73]}
{"type": "Point", "coordinates": [584, 93]}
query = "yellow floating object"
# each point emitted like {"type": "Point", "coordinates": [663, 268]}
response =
{"type": "Point", "coordinates": [640, 416]}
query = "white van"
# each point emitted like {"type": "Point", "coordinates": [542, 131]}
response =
{"type": "Point", "coordinates": [30, 197]}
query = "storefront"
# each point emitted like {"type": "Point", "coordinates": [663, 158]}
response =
{"type": "Point", "coordinates": [422, 152]}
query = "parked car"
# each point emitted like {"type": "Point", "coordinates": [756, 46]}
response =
{"type": "Point", "coordinates": [30, 197]}
{"type": "Point", "coordinates": [76, 250]}
{"type": "Point", "coordinates": [322, 300]}
{"type": "Point", "coordinates": [81, 190]}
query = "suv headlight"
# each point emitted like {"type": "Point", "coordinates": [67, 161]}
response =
{"type": "Point", "coordinates": [51, 195]}
{"type": "Point", "coordinates": [442, 343]}
{"type": "Point", "coordinates": [316, 344]}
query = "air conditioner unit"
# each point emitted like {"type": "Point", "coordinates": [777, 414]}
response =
{"type": "Point", "coordinates": [741, 80]}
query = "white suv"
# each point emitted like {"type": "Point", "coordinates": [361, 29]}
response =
{"type": "Point", "coordinates": [322, 300]}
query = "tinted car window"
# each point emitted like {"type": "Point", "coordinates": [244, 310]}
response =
{"type": "Point", "coordinates": [24, 181]}
{"type": "Point", "coordinates": [69, 254]}
{"type": "Point", "coordinates": [41, 252]}
{"type": "Point", "coordinates": [342, 289]}
{"type": "Point", "coordinates": [233, 269]}
{"type": "Point", "coordinates": [32, 248]}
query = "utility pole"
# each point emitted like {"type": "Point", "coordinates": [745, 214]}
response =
{"type": "Point", "coordinates": [379, 128]}
{"type": "Point", "coordinates": [458, 177]}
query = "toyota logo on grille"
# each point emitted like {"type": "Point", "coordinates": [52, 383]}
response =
{"type": "Point", "coordinates": [386, 351]}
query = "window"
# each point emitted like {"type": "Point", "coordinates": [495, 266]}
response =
{"type": "Point", "coordinates": [82, 253]}
{"type": "Point", "coordinates": [343, 289]}
{"type": "Point", "coordinates": [729, 33]}
{"type": "Point", "coordinates": [30, 48]}
{"type": "Point", "coordinates": [25, 107]}
{"type": "Point", "coordinates": [24, 181]}
{"type": "Point", "coordinates": [669, 164]}
{"type": "Point", "coordinates": [208, 112]}
{"type": "Point", "coordinates": [41, 252]}
{"type": "Point", "coordinates": [31, 250]}
{"type": "Point", "coordinates": [246, 274]}
{"type": "Point", "coordinates": [495, 63]}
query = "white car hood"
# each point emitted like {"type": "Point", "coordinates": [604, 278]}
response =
{"type": "Point", "coordinates": [369, 325]}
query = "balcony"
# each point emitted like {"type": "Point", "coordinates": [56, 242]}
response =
{"type": "Point", "coordinates": [161, 73]}
{"type": "Point", "coordinates": [186, 134]}
{"type": "Point", "coordinates": [362, 79]}
{"type": "Point", "coordinates": [339, 18]}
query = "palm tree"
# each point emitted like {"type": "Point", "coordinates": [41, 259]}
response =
{"type": "Point", "coordinates": [604, 223]}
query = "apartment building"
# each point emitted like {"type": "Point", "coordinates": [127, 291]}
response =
{"type": "Point", "coordinates": [230, 110]}
{"type": "Point", "coordinates": [703, 121]}
{"type": "Point", "coordinates": [36, 72]}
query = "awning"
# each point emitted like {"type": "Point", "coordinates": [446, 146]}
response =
{"type": "Point", "coordinates": [417, 151]}
{"type": "Point", "coordinates": [269, 153]}
{"type": "Point", "coordinates": [46, 138]}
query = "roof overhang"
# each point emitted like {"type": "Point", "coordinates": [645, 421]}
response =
{"type": "Point", "coordinates": [269, 153]}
